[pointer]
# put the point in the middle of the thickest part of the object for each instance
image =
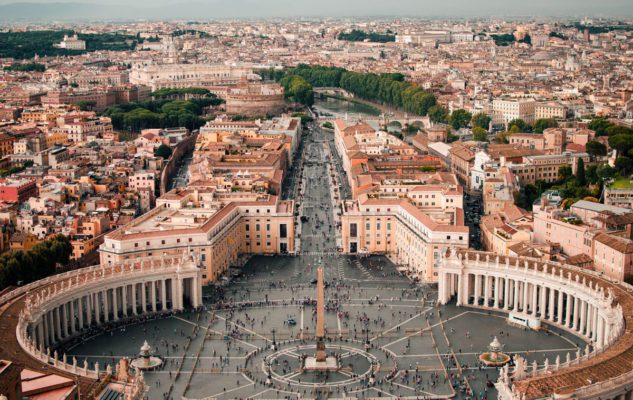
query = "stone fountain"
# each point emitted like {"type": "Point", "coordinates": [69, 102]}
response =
{"type": "Point", "coordinates": [145, 360]}
{"type": "Point", "coordinates": [494, 356]}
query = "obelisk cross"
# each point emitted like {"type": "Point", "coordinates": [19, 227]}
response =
{"type": "Point", "coordinates": [320, 327]}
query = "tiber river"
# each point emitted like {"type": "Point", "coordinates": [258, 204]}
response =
{"type": "Point", "coordinates": [336, 107]}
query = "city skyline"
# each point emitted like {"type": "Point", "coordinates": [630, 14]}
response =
{"type": "Point", "coordinates": [281, 199]}
{"type": "Point", "coordinates": [50, 10]}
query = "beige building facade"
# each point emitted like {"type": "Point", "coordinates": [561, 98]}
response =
{"type": "Point", "coordinates": [215, 228]}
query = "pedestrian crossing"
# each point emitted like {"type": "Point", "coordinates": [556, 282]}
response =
{"type": "Point", "coordinates": [341, 270]}
{"type": "Point", "coordinates": [319, 253]}
{"type": "Point", "coordinates": [364, 270]}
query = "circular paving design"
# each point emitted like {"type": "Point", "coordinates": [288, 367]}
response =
{"type": "Point", "coordinates": [356, 365]}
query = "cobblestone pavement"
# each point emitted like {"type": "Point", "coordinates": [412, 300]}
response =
{"type": "Point", "coordinates": [416, 350]}
{"type": "Point", "coordinates": [402, 322]}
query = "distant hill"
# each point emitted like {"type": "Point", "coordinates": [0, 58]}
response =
{"type": "Point", "coordinates": [82, 12]}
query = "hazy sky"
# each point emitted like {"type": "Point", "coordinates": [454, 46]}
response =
{"type": "Point", "coordinates": [416, 8]}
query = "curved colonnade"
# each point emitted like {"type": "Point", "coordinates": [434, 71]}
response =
{"type": "Point", "coordinates": [61, 307]}
{"type": "Point", "coordinates": [566, 297]}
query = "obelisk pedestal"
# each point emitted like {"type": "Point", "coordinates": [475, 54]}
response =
{"type": "Point", "coordinates": [320, 362]}
{"type": "Point", "coordinates": [320, 327]}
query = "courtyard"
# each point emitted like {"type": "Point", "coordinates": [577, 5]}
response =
{"type": "Point", "coordinates": [415, 349]}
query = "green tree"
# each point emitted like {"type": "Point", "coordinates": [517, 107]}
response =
{"type": "Point", "coordinates": [564, 173]}
{"type": "Point", "coordinates": [599, 125]}
{"type": "Point", "coordinates": [480, 134]}
{"type": "Point", "coordinates": [527, 39]}
{"type": "Point", "coordinates": [592, 174]}
{"type": "Point", "coordinates": [624, 165]}
{"type": "Point", "coordinates": [580, 173]}
{"type": "Point", "coordinates": [359, 36]}
{"type": "Point", "coordinates": [460, 118]}
{"type": "Point", "coordinates": [391, 89]}
{"type": "Point", "coordinates": [618, 130]}
{"type": "Point", "coordinates": [621, 142]}
{"type": "Point", "coordinates": [518, 126]}
{"type": "Point", "coordinates": [505, 39]}
{"type": "Point", "coordinates": [605, 171]}
{"type": "Point", "coordinates": [298, 89]}
{"type": "Point", "coordinates": [86, 105]}
{"type": "Point", "coordinates": [163, 151]}
{"type": "Point", "coordinates": [481, 120]}
{"type": "Point", "coordinates": [541, 124]}
{"type": "Point", "coordinates": [38, 262]}
{"type": "Point", "coordinates": [26, 67]}
{"type": "Point", "coordinates": [438, 114]}
{"type": "Point", "coordinates": [502, 137]}
{"type": "Point", "coordinates": [526, 196]}
{"type": "Point", "coordinates": [595, 148]}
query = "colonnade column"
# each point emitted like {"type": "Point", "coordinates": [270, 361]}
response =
{"type": "Point", "coordinates": [486, 279]}
{"type": "Point", "coordinates": [115, 303]}
{"type": "Point", "coordinates": [588, 321]}
{"type": "Point", "coordinates": [550, 305]}
{"type": "Point", "coordinates": [496, 292]}
{"type": "Point", "coordinates": [64, 317]}
{"type": "Point", "coordinates": [560, 307]}
{"type": "Point", "coordinates": [134, 309]}
{"type": "Point", "coordinates": [97, 308]}
{"type": "Point", "coordinates": [596, 318]}
{"type": "Point", "coordinates": [460, 290]}
{"type": "Point", "coordinates": [91, 308]}
{"type": "Point", "coordinates": [106, 306]}
{"type": "Point", "coordinates": [152, 293]}
{"type": "Point", "coordinates": [80, 305]}
{"type": "Point", "coordinates": [583, 316]}
{"type": "Point", "coordinates": [56, 322]}
{"type": "Point", "coordinates": [176, 294]}
{"type": "Point", "coordinates": [51, 327]}
{"type": "Point", "coordinates": [576, 316]}
{"type": "Point", "coordinates": [600, 336]}
{"type": "Point", "coordinates": [534, 299]}
{"type": "Point", "coordinates": [124, 300]}
{"type": "Point", "coordinates": [72, 317]}
{"type": "Point", "coordinates": [163, 294]}
{"type": "Point", "coordinates": [515, 302]}
{"type": "Point", "coordinates": [40, 333]}
{"type": "Point", "coordinates": [506, 294]}
{"type": "Point", "coordinates": [477, 290]}
{"type": "Point", "coordinates": [543, 300]}
{"type": "Point", "coordinates": [197, 292]}
{"type": "Point", "coordinates": [143, 297]}
{"type": "Point", "coordinates": [525, 293]}
{"type": "Point", "coordinates": [568, 313]}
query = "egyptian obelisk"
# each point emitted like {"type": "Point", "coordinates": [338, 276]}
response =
{"type": "Point", "coordinates": [320, 312]}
